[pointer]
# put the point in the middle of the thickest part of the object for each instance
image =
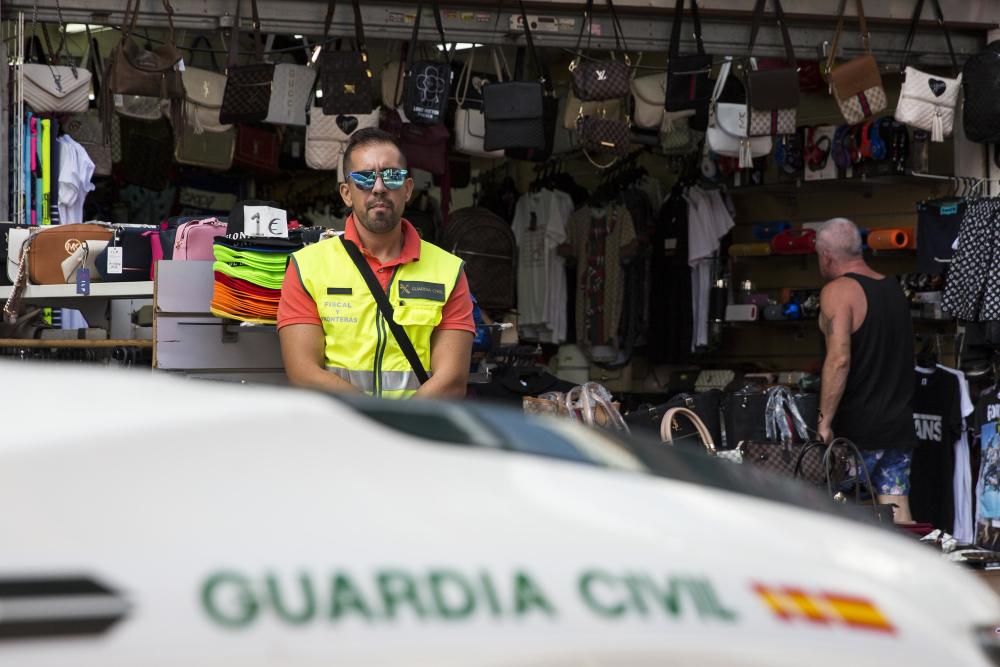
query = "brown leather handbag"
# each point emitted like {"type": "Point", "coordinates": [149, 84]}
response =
{"type": "Point", "coordinates": [133, 70]}
{"type": "Point", "coordinates": [57, 252]}
{"type": "Point", "coordinates": [856, 84]}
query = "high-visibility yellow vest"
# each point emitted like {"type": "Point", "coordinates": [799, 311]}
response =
{"type": "Point", "coordinates": [360, 348]}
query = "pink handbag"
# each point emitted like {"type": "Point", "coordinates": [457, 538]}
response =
{"type": "Point", "coordinates": [194, 239]}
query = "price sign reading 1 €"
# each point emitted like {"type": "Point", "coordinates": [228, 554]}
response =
{"type": "Point", "coordinates": [265, 221]}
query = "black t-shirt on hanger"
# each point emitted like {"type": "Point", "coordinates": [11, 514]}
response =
{"type": "Point", "coordinates": [937, 416]}
{"type": "Point", "coordinates": [670, 318]}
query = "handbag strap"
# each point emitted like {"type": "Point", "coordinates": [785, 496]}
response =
{"type": "Point", "coordinates": [779, 15]}
{"type": "Point", "coordinates": [540, 64]}
{"type": "Point", "coordinates": [405, 345]}
{"type": "Point", "coordinates": [234, 41]}
{"type": "Point", "coordinates": [211, 52]}
{"type": "Point", "coordinates": [862, 26]}
{"type": "Point", "coordinates": [436, 9]}
{"type": "Point", "coordinates": [917, 11]}
{"type": "Point", "coordinates": [675, 30]}
{"type": "Point", "coordinates": [666, 427]}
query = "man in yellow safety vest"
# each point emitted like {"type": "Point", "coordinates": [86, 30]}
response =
{"type": "Point", "coordinates": [334, 335]}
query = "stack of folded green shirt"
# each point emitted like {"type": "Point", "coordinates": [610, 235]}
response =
{"type": "Point", "coordinates": [248, 277]}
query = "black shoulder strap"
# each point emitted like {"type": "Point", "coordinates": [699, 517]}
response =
{"type": "Point", "coordinates": [386, 309]}
{"type": "Point", "coordinates": [917, 11]}
{"type": "Point", "coordinates": [675, 29]}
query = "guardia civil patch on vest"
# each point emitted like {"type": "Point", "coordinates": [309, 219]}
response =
{"type": "Point", "coordinates": [417, 289]}
{"type": "Point", "coordinates": [339, 291]}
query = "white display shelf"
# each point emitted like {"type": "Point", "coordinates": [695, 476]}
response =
{"type": "Point", "coordinates": [97, 290]}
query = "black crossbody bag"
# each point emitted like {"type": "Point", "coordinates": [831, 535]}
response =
{"type": "Point", "coordinates": [386, 309]}
{"type": "Point", "coordinates": [428, 82]}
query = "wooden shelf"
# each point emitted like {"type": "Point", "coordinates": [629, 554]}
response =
{"type": "Point", "coordinates": [97, 290]}
{"type": "Point", "coordinates": [75, 343]}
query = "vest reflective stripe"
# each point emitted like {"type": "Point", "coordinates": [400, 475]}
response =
{"type": "Point", "coordinates": [390, 380]}
{"type": "Point", "coordinates": [359, 345]}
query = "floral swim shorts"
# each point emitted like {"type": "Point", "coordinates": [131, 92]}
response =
{"type": "Point", "coordinates": [889, 470]}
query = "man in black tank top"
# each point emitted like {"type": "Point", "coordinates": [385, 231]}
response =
{"type": "Point", "coordinates": [867, 391]}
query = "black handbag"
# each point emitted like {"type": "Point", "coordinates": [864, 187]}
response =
{"type": "Point", "coordinates": [345, 77]}
{"type": "Point", "coordinates": [744, 415]}
{"type": "Point", "coordinates": [603, 135]}
{"type": "Point", "coordinates": [981, 85]}
{"type": "Point", "coordinates": [521, 115]}
{"type": "Point", "coordinates": [136, 254]}
{"type": "Point", "coordinates": [428, 82]}
{"type": "Point", "coordinates": [689, 85]}
{"type": "Point", "coordinates": [248, 87]}
{"type": "Point", "coordinates": [707, 405]}
{"type": "Point", "coordinates": [147, 152]}
{"type": "Point", "coordinates": [595, 80]}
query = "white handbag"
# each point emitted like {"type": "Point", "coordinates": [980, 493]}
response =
{"type": "Point", "coordinates": [928, 102]}
{"type": "Point", "coordinates": [470, 130]}
{"type": "Point", "coordinates": [649, 94]}
{"type": "Point", "coordinates": [728, 127]}
{"type": "Point", "coordinates": [291, 89]}
{"type": "Point", "coordinates": [327, 137]}
{"type": "Point", "coordinates": [203, 99]}
{"type": "Point", "coordinates": [56, 88]}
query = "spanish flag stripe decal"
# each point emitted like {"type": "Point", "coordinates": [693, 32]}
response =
{"type": "Point", "coordinates": [794, 604]}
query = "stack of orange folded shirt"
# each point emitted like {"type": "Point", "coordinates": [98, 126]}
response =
{"type": "Point", "coordinates": [248, 277]}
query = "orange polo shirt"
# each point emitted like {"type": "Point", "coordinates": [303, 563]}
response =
{"type": "Point", "coordinates": [297, 307]}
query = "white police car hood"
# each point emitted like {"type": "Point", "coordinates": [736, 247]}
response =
{"type": "Point", "coordinates": [149, 521]}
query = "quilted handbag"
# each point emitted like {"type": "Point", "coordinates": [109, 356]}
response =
{"type": "Point", "coordinates": [257, 149]}
{"type": "Point", "coordinates": [688, 82]}
{"type": "Point", "coordinates": [649, 93]}
{"type": "Point", "coordinates": [135, 71]}
{"type": "Point", "coordinates": [596, 80]}
{"type": "Point", "coordinates": [728, 133]}
{"type": "Point", "coordinates": [794, 242]}
{"type": "Point", "coordinates": [327, 137]}
{"type": "Point", "coordinates": [204, 89]}
{"type": "Point", "coordinates": [425, 147]}
{"type": "Point", "coordinates": [345, 76]}
{"type": "Point", "coordinates": [86, 129]}
{"type": "Point", "coordinates": [773, 94]}
{"type": "Point", "coordinates": [428, 82]}
{"type": "Point", "coordinates": [601, 135]}
{"type": "Point", "coordinates": [56, 88]}
{"type": "Point", "coordinates": [926, 101]}
{"type": "Point", "coordinates": [856, 84]}
{"type": "Point", "coordinates": [247, 97]}
{"type": "Point", "coordinates": [981, 83]}
{"type": "Point", "coordinates": [210, 150]}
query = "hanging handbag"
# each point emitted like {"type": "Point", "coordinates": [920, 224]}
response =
{"type": "Point", "coordinates": [688, 82]}
{"type": "Point", "coordinates": [345, 76]}
{"type": "Point", "coordinates": [204, 90]}
{"type": "Point", "coordinates": [649, 94]}
{"type": "Point", "coordinates": [603, 136]}
{"type": "Point", "coordinates": [48, 86]}
{"type": "Point", "coordinates": [147, 152]}
{"type": "Point", "coordinates": [247, 97]}
{"type": "Point", "coordinates": [470, 121]}
{"type": "Point", "coordinates": [856, 84]}
{"type": "Point", "coordinates": [86, 128]}
{"type": "Point", "coordinates": [425, 147]}
{"type": "Point", "coordinates": [291, 91]}
{"type": "Point", "coordinates": [517, 114]}
{"type": "Point", "coordinates": [210, 150]}
{"type": "Point", "coordinates": [576, 109]}
{"type": "Point", "coordinates": [257, 148]}
{"type": "Point", "coordinates": [927, 101]}
{"type": "Point", "coordinates": [327, 137]}
{"type": "Point", "coordinates": [425, 90]}
{"type": "Point", "coordinates": [728, 132]}
{"type": "Point", "coordinates": [135, 71]}
{"type": "Point", "coordinates": [981, 84]}
{"type": "Point", "coordinates": [596, 80]}
{"type": "Point", "coordinates": [773, 94]}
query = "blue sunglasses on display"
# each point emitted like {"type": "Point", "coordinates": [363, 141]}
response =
{"type": "Point", "coordinates": [393, 178]}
